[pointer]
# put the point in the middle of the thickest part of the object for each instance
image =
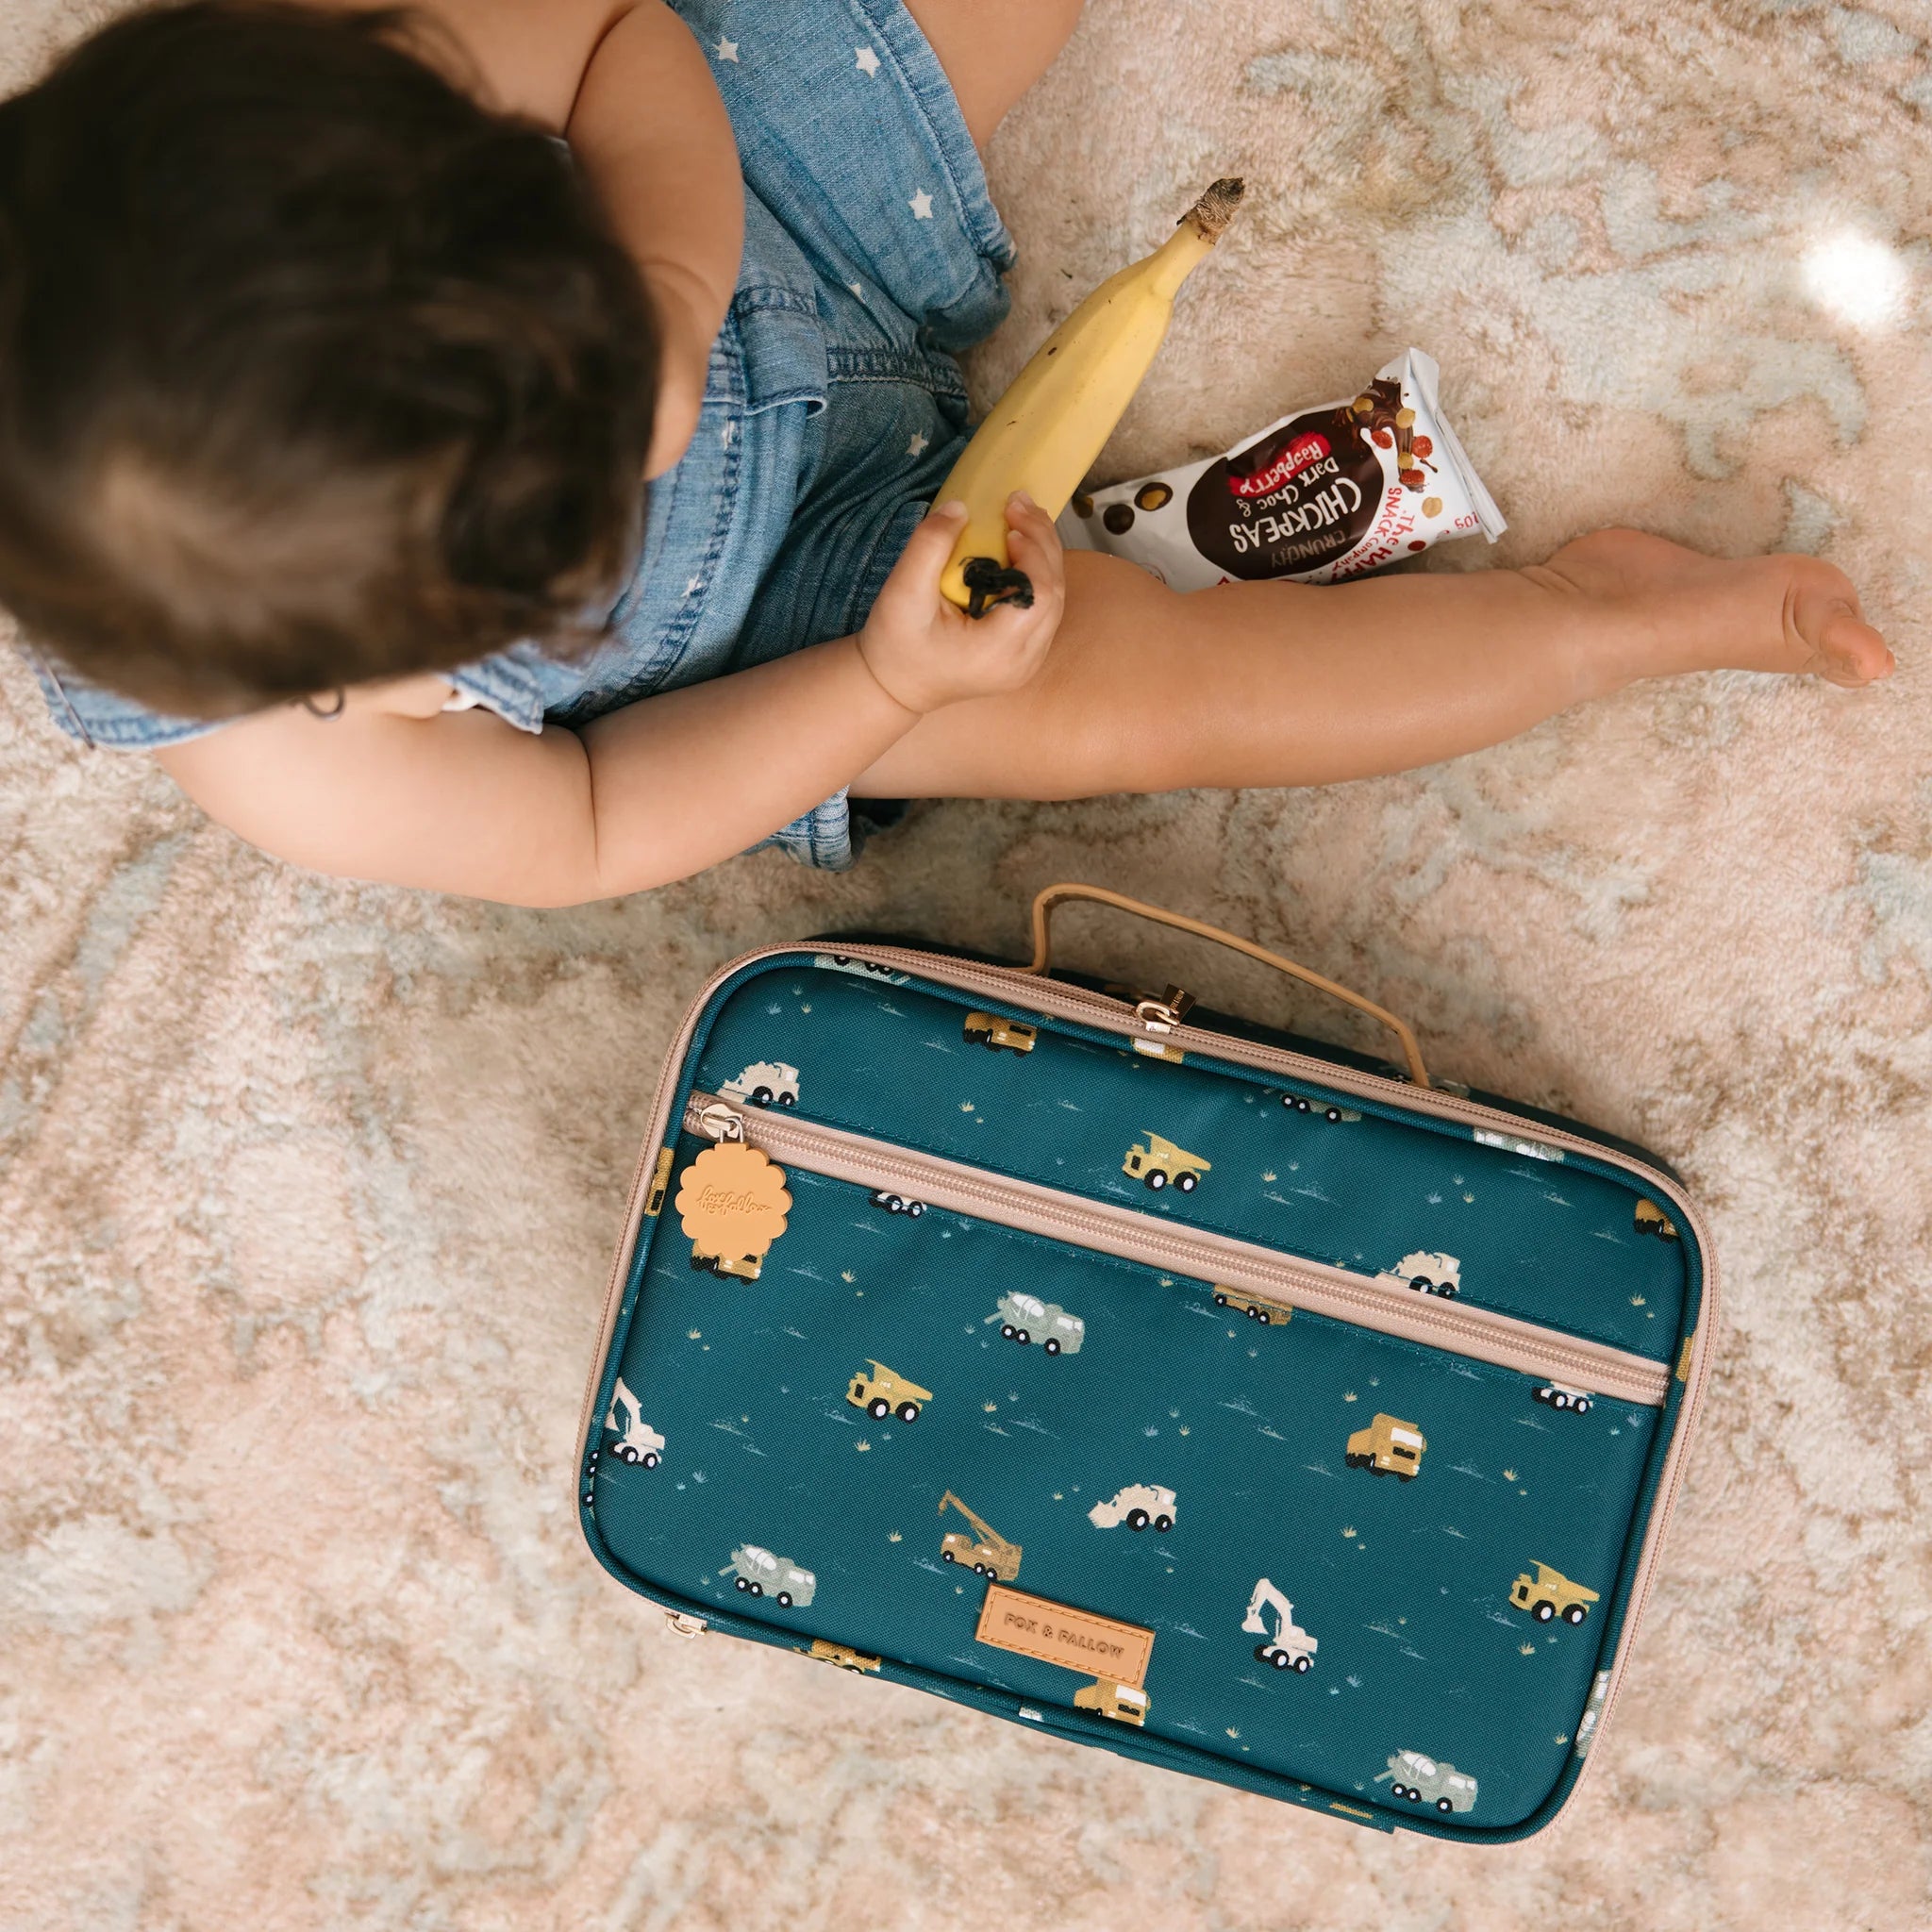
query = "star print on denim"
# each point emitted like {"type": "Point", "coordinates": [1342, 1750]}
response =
{"type": "Point", "coordinates": [921, 206]}
{"type": "Point", "coordinates": [917, 446]}
{"type": "Point", "coordinates": [868, 62]}
{"type": "Point", "coordinates": [727, 50]}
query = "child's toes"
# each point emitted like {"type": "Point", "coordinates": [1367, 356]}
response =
{"type": "Point", "coordinates": [1849, 651]}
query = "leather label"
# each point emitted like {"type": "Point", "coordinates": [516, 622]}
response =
{"type": "Point", "coordinates": [1057, 1634]}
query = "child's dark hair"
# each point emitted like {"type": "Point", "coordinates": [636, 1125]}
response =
{"type": "Point", "coordinates": [313, 369]}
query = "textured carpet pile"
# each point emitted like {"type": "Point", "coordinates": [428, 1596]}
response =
{"type": "Point", "coordinates": [307, 1189]}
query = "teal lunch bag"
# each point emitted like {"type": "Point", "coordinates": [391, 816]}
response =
{"type": "Point", "coordinates": [1245, 1404]}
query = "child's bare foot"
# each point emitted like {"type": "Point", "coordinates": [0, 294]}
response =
{"type": "Point", "coordinates": [1674, 609]}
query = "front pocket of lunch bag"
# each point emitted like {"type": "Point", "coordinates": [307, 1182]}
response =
{"type": "Point", "coordinates": [1352, 1550]}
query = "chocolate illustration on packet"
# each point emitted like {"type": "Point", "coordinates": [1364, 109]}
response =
{"type": "Point", "coordinates": [1325, 494]}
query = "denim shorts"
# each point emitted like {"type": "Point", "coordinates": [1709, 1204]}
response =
{"type": "Point", "coordinates": [834, 408]}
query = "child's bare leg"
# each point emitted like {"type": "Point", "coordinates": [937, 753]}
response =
{"type": "Point", "coordinates": [1288, 684]}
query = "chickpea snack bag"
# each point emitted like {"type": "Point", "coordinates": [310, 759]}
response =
{"type": "Point", "coordinates": [1322, 494]}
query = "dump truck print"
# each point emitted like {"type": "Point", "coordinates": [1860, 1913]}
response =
{"type": "Point", "coordinates": [1267, 1313]}
{"type": "Point", "coordinates": [637, 1441]}
{"type": "Point", "coordinates": [986, 1553]}
{"type": "Point", "coordinates": [882, 1393]}
{"type": "Point", "coordinates": [989, 1031]}
{"type": "Point", "coordinates": [758, 1572]}
{"type": "Point", "coordinates": [1421, 1780]}
{"type": "Point", "coordinates": [1425, 1271]}
{"type": "Point", "coordinates": [764, 1083]}
{"type": "Point", "coordinates": [1024, 1318]}
{"type": "Point", "coordinates": [1140, 1506]}
{"type": "Point", "coordinates": [1561, 1395]}
{"type": "Point", "coordinates": [1388, 1447]}
{"type": "Point", "coordinates": [1127, 1703]}
{"type": "Point", "coordinates": [1329, 1110]}
{"type": "Point", "coordinates": [1651, 1219]}
{"type": "Point", "coordinates": [1289, 1647]}
{"type": "Point", "coordinates": [896, 1203]}
{"type": "Point", "coordinates": [1550, 1594]}
{"type": "Point", "coordinates": [1156, 1161]}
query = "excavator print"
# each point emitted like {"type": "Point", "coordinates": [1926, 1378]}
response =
{"type": "Point", "coordinates": [1291, 1647]}
{"type": "Point", "coordinates": [637, 1441]}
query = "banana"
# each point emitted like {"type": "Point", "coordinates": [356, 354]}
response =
{"type": "Point", "coordinates": [1044, 432]}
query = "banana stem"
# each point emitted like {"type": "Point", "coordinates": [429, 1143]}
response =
{"type": "Point", "coordinates": [1210, 215]}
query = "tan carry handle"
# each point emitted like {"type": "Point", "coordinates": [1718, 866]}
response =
{"type": "Point", "coordinates": [1055, 895]}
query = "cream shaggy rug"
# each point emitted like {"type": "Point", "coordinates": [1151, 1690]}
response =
{"type": "Point", "coordinates": [309, 1191]}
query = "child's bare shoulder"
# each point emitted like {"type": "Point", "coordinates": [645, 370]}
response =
{"type": "Point", "coordinates": [527, 57]}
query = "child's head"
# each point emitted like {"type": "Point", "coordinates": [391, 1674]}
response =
{"type": "Point", "coordinates": [313, 369]}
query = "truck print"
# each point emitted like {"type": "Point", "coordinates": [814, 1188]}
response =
{"type": "Point", "coordinates": [758, 1572]}
{"type": "Point", "coordinates": [637, 1443]}
{"type": "Point", "coordinates": [842, 1656]}
{"type": "Point", "coordinates": [1516, 1143]}
{"type": "Point", "coordinates": [1329, 1110]}
{"type": "Point", "coordinates": [1140, 1506]}
{"type": "Point", "coordinates": [1428, 1272]}
{"type": "Point", "coordinates": [1421, 1780]}
{"type": "Point", "coordinates": [1550, 1594]}
{"type": "Point", "coordinates": [993, 1033]}
{"type": "Point", "coordinates": [1561, 1395]}
{"type": "Point", "coordinates": [764, 1083]}
{"type": "Point", "coordinates": [1024, 1318]}
{"type": "Point", "coordinates": [845, 963]}
{"type": "Point", "coordinates": [1289, 1647]}
{"type": "Point", "coordinates": [882, 1393]}
{"type": "Point", "coordinates": [986, 1553]}
{"type": "Point", "coordinates": [1156, 1161]}
{"type": "Point", "coordinates": [1252, 1307]}
{"type": "Point", "coordinates": [1127, 1703]}
{"type": "Point", "coordinates": [731, 1267]}
{"type": "Point", "coordinates": [1651, 1219]}
{"type": "Point", "coordinates": [896, 1203]}
{"type": "Point", "coordinates": [1387, 1447]}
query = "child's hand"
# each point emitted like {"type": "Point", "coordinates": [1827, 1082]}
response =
{"type": "Point", "coordinates": [926, 652]}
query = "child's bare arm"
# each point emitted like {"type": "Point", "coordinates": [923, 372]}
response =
{"type": "Point", "coordinates": [462, 802]}
{"type": "Point", "coordinates": [650, 131]}
{"type": "Point", "coordinates": [397, 790]}
{"type": "Point", "coordinates": [630, 89]}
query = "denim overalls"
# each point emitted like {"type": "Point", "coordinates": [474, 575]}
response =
{"type": "Point", "coordinates": [833, 409]}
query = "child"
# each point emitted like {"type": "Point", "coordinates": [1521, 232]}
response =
{"type": "Point", "coordinates": [331, 381]}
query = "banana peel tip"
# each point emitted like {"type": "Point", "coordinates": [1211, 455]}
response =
{"type": "Point", "coordinates": [1210, 215]}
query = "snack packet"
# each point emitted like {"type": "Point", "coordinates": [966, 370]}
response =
{"type": "Point", "coordinates": [1323, 494]}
